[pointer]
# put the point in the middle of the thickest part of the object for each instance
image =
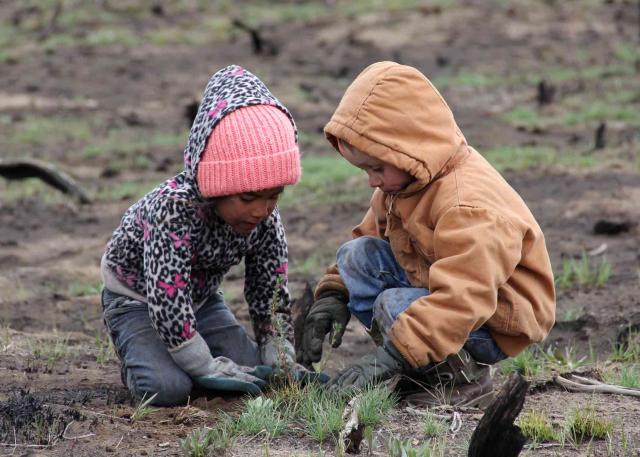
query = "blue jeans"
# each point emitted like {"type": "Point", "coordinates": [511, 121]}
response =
{"type": "Point", "coordinates": [146, 365]}
{"type": "Point", "coordinates": [380, 291]}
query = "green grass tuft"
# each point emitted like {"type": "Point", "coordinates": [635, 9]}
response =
{"type": "Point", "coordinates": [583, 273]}
{"type": "Point", "coordinates": [586, 424]}
{"type": "Point", "coordinates": [321, 413]}
{"type": "Point", "coordinates": [261, 415]}
{"type": "Point", "coordinates": [536, 426]}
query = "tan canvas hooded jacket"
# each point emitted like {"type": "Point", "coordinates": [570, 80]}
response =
{"type": "Point", "coordinates": [459, 230]}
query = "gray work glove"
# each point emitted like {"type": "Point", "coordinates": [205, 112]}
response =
{"type": "Point", "coordinates": [270, 356]}
{"type": "Point", "coordinates": [380, 365]}
{"type": "Point", "coordinates": [329, 314]}
{"type": "Point", "coordinates": [219, 373]}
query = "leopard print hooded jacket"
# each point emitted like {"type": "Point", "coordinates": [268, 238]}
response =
{"type": "Point", "coordinates": [171, 250]}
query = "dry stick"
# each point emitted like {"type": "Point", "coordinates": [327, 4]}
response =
{"type": "Point", "coordinates": [592, 386]}
{"type": "Point", "coordinates": [65, 437]}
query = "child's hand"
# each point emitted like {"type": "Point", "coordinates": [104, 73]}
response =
{"type": "Point", "coordinates": [225, 374]}
{"type": "Point", "coordinates": [328, 314]}
{"type": "Point", "coordinates": [371, 369]}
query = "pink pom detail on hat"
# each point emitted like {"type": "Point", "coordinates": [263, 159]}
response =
{"type": "Point", "coordinates": [251, 149]}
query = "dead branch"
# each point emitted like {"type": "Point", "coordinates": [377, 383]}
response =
{"type": "Point", "coordinates": [587, 385]}
{"type": "Point", "coordinates": [49, 174]}
{"type": "Point", "coordinates": [260, 45]}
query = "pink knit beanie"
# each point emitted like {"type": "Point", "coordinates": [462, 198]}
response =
{"type": "Point", "coordinates": [251, 149]}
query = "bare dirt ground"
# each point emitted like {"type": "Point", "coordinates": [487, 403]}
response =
{"type": "Point", "coordinates": [106, 102]}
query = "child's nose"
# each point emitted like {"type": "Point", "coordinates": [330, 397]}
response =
{"type": "Point", "coordinates": [262, 210]}
{"type": "Point", "coordinates": [375, 181]}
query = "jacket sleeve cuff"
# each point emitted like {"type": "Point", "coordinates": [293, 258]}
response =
{"type": "Point", "coordinates": [193, 356]}
{"type": "Point", "coordinates": [331, 282]}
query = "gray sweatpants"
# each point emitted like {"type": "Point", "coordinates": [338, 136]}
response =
{"type": "Point", "coordinates": [146, 365]}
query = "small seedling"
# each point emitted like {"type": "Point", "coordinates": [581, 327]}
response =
{"type": "Point", "coordinates": [526, 363]}
{"type": "Point", "coordinates": [432, 426]}
{"type": "Point", "coordinates": [586, 424]}
{"type": "Point", "coordinates": [536, 426]}
{"type": "Point", "coordinates": [627, 376]}
{"type": "Point", "coordinates": [399, 448]}
{"type": "Point", "coordinates": [567, 359]}
{"type": "Point", "coordinates": [319, 366]}
{"type": "Point", "coordinates": [143, 409]}
{"type": "Point", "coordinates": [261, 415]}
{"type": "Point", "coordinates": [629, 351]}
{"type": "Point", "coordinates": [49, 353]}
{"type": "Point", "coordinates": [583, 274]}
{"type": "Point", "coordinates": [105, 351]}
{"type": "Point", "coordinates": [374, 406]}
{"type": "Point", "coordinates": [196, 444]}
{"type": "Point", "coordinates": [219, 438]}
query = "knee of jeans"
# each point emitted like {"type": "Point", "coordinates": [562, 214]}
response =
{"type": "Point", "coordinates": [171, 388]}
{"type": "Point", "coordinates": [381, 311]}
{"type": "Point", "coordinates": [355, 254]}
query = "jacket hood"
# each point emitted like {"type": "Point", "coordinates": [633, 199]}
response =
{"type": "Point", "coordinates": [392, 112]}
{"type": "Point", "coordinates": [228, 89]}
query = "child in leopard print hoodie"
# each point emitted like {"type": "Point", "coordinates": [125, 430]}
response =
{"type": "Point", "coordinates": [164, 263]}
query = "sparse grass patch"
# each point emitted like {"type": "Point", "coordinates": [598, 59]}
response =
{"type": "Point", "coordinates": [203, 442]}
{"type": "Point", "coordinates": [625, 376]}
{"type": "Point", "coordinates": [528, 363]}
{"type": "Point", "coordinates": [537, 427]}
{"type": "Point", "coordinates": [109, 36]}
{"type": "Point", "coordinates": [432, 426]}
{"type": "Point", "coordinates": [523, 157]}
{"type": "Point", "coordinates": [261, 415]}
{"type": "Point", "coordinates": [105, 352]}
{"type": "Point", "coordinates": [629, 350]}
{"type": "Point", "coordinates": [374, 406]}
{"type": "Point", "coordinates": [40, 131]}
{"type": "Point", "coordinates": [586, 424]}
{"type": "Point", "coordinates": [325, 179]}
{"type": "Point", "coordinates": [48, 352]}
{"type": "Point", "coordinates": [583, 273]}
{"type": "Point", "coordinates": [30, 188]}
{"type": "Point", "coordinates": [125, 190]}
{"type": "Point", "coordinates": [321, 413]}
{"type": "Point", "coordinates": [404, 448]}
{"type": "Point", "coordinates": [81, 289]}
{"type": "Point", "coordinates": [565, 360]}
{"type": "Point", "coordinates": [125, 142]}
{"type": "Point", "coordinates": [572, 314]}
{"type": "Point", "coordinates": [144, 409]}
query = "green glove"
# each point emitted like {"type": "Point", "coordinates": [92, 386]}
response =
{"type": "Point", "coordinates": [371, 369]}
{"type": "Point", "coordinates": [329, 314]}
{"type": "Point", "coordinates": [227, 375]}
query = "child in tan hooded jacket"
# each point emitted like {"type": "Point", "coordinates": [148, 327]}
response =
{"type": "Point", "coordinates": [449, 266]}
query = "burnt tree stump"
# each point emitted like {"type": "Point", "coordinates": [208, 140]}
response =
{"type": "Point", "coordinates": [496, 435]}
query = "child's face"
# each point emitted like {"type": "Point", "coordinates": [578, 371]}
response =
{"type": "Point", "coordinates": [243, 212]}
{"type": "Point", "coordinates": [382, 175]}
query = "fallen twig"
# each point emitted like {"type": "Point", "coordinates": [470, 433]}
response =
{"type": "Point", "coordinates": [65, 437]}
{"type": "Point", "coordinates": [592, 386]}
